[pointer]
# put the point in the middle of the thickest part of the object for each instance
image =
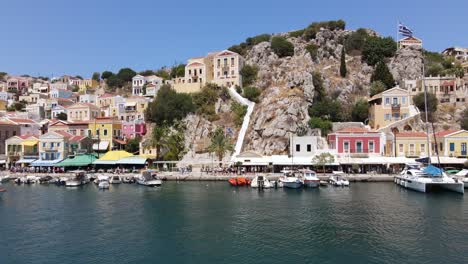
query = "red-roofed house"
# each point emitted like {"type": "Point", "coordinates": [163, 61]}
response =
{"type": "Point", "coordinates": [357, 141]}
{"type": "Point", "coordinates": [452, 143]}
{"type": "Point", "coordinates": [27, 126]}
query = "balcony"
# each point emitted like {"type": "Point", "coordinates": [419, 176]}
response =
{"type": "Point", "coordinates": [396, 107]}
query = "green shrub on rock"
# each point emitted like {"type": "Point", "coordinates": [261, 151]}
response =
{"type": "Point", "coordinates": [282, 47]}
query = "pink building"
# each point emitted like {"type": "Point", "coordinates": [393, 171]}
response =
{"type": "Point", "coordinates": [17, 85]}
{"type": "Point", "coordinates": [356, 141]}
{"type": "Point", "coordinates": [133, 129]}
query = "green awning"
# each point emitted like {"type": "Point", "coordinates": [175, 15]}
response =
{"type": "Point", "coordinates": [77, 161]}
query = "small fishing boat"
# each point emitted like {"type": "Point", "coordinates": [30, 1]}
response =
{"type": "Point", "coordinates": [45, 179]}
{"type": "Point", "coordinates": [239, 181]}
{"type": "Point", "coordinates": [115, 179]}
{"type": "Point", "coordinates": [338, 179]}
{"type": "Point", "coordinates": [148, 178]}
{"type": "Point", "coordinates": [103, 182]}
{"type": "Point", "coordinates": [261, 182]}
{"type": "Point", "coordinates": [324, 183]}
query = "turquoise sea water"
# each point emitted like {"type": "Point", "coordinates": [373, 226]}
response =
{"type": "Point", "coordinates": [211, 222]}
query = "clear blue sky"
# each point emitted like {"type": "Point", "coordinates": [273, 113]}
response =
{"type": "Point", "coordinates": [80, 37]}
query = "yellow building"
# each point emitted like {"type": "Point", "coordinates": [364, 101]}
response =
{"type": "Point", "coordinates": [107, 133]}
{"type": "Point", "coordinates": [87, 83]}
{"type": "Point", "coordinates": [390, 106]}
{"type": "Point", "coordinates": [411, 144]}
{"type": "Point", "coordinates": [452, 143]}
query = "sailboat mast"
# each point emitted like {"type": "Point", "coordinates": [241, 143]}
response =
{"type": "Point", "coordinates": [425, 110]}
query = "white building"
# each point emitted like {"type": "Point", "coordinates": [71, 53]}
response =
{"type": "Point", "coordinates": [88, 98]}
{"type": "Point", "coordinates": [138, 81]}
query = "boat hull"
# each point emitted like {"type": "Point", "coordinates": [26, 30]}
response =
{"type": "Point", "coordinates": [424, 187]}
{"type": "Point", "coordinates": [311, 183]}
{"type": "Point", "coordinates": [292, 185]}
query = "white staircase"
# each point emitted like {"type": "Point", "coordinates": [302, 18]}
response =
{"type": "Point", "coordinates": [245, 124]}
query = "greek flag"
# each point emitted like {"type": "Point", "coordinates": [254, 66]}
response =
{"type": "Point", "coordinates": [404, 30]}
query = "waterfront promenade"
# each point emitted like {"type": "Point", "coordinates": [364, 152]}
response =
{"type": "Point", "coordinates": [207, 176]}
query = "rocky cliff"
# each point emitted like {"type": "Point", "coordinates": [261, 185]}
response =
{"type": "Point", "coordinates": [288, 87]}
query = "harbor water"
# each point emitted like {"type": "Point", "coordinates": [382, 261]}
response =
{"type": "Point", "coordinates": [211, 222]}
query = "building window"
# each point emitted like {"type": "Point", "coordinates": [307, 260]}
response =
{"type": "Point", "coordinates": [400, 148]}
{"type": "Point", "coordinates": [232, 61]}
{"type": "Point", "coordinates": [411, 148]}
{"type": "Point", "coordinates": [371, 146]}
{"type": "Point", "coordinates": [452, 146]}
{"type": "Point", "coordinates": [346, 146]}
{"type": "Point", "coordinates": [58, 145]}
{"type": "Point", "coordinates": [423, 148]}
{"type": "Point", "coordinates": [298, 148]}
{"type": "Point", "coordinates": [403, 100]}
{"type": "Point", "coordinates": [200, 71]}
{"type": "Point", "coordinates": [225, 61]}
{"type": "Point", "coordinates": [309, 148]}
{"type": "Point", "coordinates": [441, 146]}
{"type": "Point", "coordinates": [219, 62]}
{"type": "Point", "coordinates": [395, 100]}
{"type": "Point", "coordinates": [387, 117]}
{"type": "Point", "coordinates": [359, 146]}
{"type": "Point", "coordinates": [189, 72]}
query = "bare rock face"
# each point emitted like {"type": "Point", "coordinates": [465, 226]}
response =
{"type": "Point", "coordinates": [407, 64]}
{"type": "Point", "coordinates": [274, 118]}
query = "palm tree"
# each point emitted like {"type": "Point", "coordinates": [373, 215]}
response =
{"type": "Point", "coordinates": [220, 144]}
{"type": "Point", "coordinates": [159, 139]}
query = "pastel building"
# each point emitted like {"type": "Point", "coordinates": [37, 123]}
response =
{"type": "Point", "coordinates": [60, 93]}
{"type": "Point", "coordinates": [87, 98]}
{"type": "Point", "coordinates": [107, 133]}
{"type": "Point", "coordinates": [139, 81]}
{"type": "Point", "coordinates": [21, 150]}
{"type": "Point", "coordinates": [390, 106]}
{"type": "Point", "coordinates": [357, 142]}
{"type": "Point", "coordinates": [82, 112]}
{"type": "Point", "coordinates": [411, 144]}
{"type": "Point", "coordinates": [133, 129]}
{"type": "Point", "coordinates": [222, 68]}
{"type": "Point", "coordinates": [451, 143]}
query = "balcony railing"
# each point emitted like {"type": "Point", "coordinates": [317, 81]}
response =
{"type": "Point", "coordinates": [396, 107]}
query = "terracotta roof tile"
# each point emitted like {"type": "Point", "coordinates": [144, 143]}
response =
{"type": "Point", "coordinates": [411, 134]}
{"type": "Point", "coordinates": [445, 132]}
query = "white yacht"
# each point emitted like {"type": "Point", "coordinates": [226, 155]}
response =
{"type": "Point", "coordinates": [310, 178]}
{"type": "Point", "coordinates": [103, 182]}
{"type": "Point", "coordinates": [417, 178]}
{"type": "Point", "coordinates": [338, 179]}
{"type": "Point", "coordinates": [261, 181]}
{"type": "Point", "coordinates": [115, 179]}
{"type": "Point", "coordinates": [148, 178]}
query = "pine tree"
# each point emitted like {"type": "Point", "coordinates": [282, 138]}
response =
{"type": "Point", "coordinates": [343, 70]}
{"type": "Point", "coordinates": [383, 74]}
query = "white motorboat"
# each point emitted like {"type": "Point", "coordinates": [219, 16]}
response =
{"type": "Point", "coordinates": [338, 179]}
{"type": "Point", "coordinates": [463, 176]}
{"type": "Point", "coordinates": [310, 178]}
{"type": "Point", "coordinates": [5, 178]}
{"type": "Point", "coordinates": [261, 181]}
{"type": "Point", "coordinates": [147, 178]}
{"type": "Point", "coordinates": [417, 178]}
{"type": "Point", "coordinates": [103, 182]}
{"type": "Point", "coordinates": [115, 179]}
{"type": "Point", "coordinates": [76, 180]}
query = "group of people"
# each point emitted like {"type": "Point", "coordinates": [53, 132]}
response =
{"type": "Point", "coordinates": [19, 169]}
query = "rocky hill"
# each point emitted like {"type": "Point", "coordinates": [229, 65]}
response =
{"type": "Point", "coordinates": [287, 85]}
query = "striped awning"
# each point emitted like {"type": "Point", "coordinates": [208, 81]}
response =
{"type": "Point", "coordinates": [45, 163]}
{"type": "Point", "coordinates": [25, 161]}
